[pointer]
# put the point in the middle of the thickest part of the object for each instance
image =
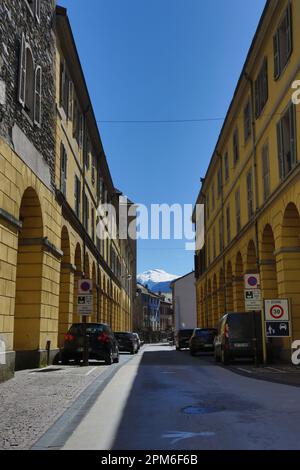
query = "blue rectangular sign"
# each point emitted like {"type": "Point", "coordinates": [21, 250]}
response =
{"type": "Point", "coordinates": [276, 329]}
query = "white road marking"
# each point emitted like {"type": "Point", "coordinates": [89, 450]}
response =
{"type": "Point", "coordinates": [276, 370]}
{"type": "Point", "coordinates": [90, 371]}
{"type": "Point", "coordinates": [178, 436]}
{"type": "Point", "coordinates": [245, 370]}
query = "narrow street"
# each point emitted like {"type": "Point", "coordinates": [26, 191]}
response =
{"type": "Point", "coordinates": [164, 399]}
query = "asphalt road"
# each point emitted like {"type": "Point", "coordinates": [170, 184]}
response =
{"type": "Point", "coordinates": [163, 399]}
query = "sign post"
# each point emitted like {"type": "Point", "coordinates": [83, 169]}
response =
{"type": "Point", "coordinates": [85, 308]}
{"type": "Point", "coordinates": [253, 303]}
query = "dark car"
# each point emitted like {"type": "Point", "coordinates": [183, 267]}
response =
{"type": "Point", "coordinates": [102, 344]}
{"type": "Point", "coordinates": [202, 340]}
{"type": "Point", "coordinates": [138, 340]}
{"type": "Point", "coordinates": [239, 336]}
{"type": "Point", "coordinates": [127, 342]}
{"type": "Point", "coordinates": [182, 338]}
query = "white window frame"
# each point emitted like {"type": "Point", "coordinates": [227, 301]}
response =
{"type": "Point", "coordinates": [22, 72]}
{"type": "Point", "coordinates": [29, 7]}
{"type": "Point", "coordinates": [37, 8]}
{"type": "Point", "coordinates": [37, 95]}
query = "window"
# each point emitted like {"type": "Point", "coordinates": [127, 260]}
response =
{"type": "Point", "coordinates": [286, 138]}
{"type": "Point", "coordinates": [261, 89]}
{"type": "Point", "coordinates": [283, 43]}
{"type": "Point", "coordinates": [221, 234]}
{"type": "Point", "coordinates": [235, 146]}
{"type": "Point", "coordinates": [214, 243]}
{"type": "Point", "coordinates": [63, 169]}
{"type": "Point", "coordinates": [30, 84]}
{"type": "Point", "coordinates": [77, 123]}
{"type": "Point", "coordinates": [250, 194]}
{"type": "Point", "coordinates": [226, 166]}
{"type": "Point", "coordinates": [219, 182]}
{"type": "Point", "coordinates": [238, 210]}
{"type": "Point", "coordinates": [87, 153]}
{"type": "Point", "coordinates": [228, 224]}
{"type": "Point", "coordinates": [93, 224]}
{"type": "Point", "coordinates": [266, 171]}
{"type": "Point", "coordinates": [93, 169]}
{"type": "Point", "coordinates": [77, 196]}
{"type": "Point", "coordinates": [86, 213]}
{"type": "Point", "coordinates": [247, 121]}
{"type": "Point", "coordinates": [38, 96]}
{"type": "Point", "coordinates": [65, 85]}
{"type": "Point", "coordinates": [207, 206]}
{"type": "Point", "coordinates": [208, 250]}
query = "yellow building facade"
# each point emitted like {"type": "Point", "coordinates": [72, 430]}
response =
{"type": "Point", "coordinates": [53, 176]}
{"type": "Point", "coordinates": [251, 192]}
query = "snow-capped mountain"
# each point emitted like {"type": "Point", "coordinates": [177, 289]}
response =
{"type": "Point", "coordinates": [157, 280]}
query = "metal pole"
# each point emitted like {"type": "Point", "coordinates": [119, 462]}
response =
{"type": "Point", "coordinates": [85, 361]}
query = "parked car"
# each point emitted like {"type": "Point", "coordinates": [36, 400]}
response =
{"type": "Point", "coordinates": [127, 342]}
{"type": "Point", "coordinates": [236, 334]}
{"type": "Point", "coordinates": [102, 343]}
{"type": "Point", "coordinates": [202, 340]}
{"type": "Point", "coordinates": [138, 340]}
{"type": "Point", "coordinates": [182, 338]}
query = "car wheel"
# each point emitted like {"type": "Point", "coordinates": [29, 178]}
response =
{"type": "Point", "coordinates": [192, 352]}
{"type": "Point", "coordinates": [117, 359]}
{"type": "Point", "coordinates": [224, 358]}
{"type": "Point", "coordinates": [109, 358]}
{"type": "Point", "coordinates": [177, 348]}
{"type": "Point", "coordinates": [217, 357]}
{"type": "Point", "coordinates": [132, 351]}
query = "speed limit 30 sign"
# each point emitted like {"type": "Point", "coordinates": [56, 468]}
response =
{"type": "Point", "coordinates": [277, 310]}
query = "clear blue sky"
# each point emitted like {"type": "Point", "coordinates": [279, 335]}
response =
{"type": "Point", "coordinates": [161, 60]}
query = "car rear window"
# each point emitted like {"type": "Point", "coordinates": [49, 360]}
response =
{"type": "Point", "coordinates": [78, 330]}
{"type": "Point", "coordinates": [242, 325]}
{"type": "Point", "coordinates": [123, 335]}
{"type": "Point", "coordinates": [185, 333]}
{"type": "Point", "coordinates": [206, 333]}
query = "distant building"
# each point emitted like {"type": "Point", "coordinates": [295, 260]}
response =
{"type": "Point", "coordinates": [184, 302]}
{"type": "Point", "coordinates": [166, 314]}
{"type": "Point", "coordinates": [152, 312]}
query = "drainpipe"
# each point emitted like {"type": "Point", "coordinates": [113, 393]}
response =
{"type": "Point", "coordinates": [255, 184]}
{"type": "Point", "coordinates": [223, 231]}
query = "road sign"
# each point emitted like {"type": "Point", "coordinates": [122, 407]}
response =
{"type": "Point", "coordinates": [277, 310]}
{"type": "Point", "coordinates": [252, 281]}
{"type": "Point", "coordinates": [252, 300]}
{"type": "Point", "coordinates": [85, 304]}
{"type": "Point", "coordinates": [85, 286]}
{"type": "Point", "coordinates": [277, 329]}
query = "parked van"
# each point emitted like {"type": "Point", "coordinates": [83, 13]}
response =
{"type": "Point", "coordinates": [239, 336]}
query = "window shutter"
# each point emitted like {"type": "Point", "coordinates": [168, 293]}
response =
{"type": "Point", "coordinates": [38, 96]}
{"type": "Point", "coordinates": [280, 150]}
{"type": "Point", "coordinates": [257, 110]}
{"type": "Point", "coordinates": [62, 83]}
{"type": "Point", "coordinates": [289, 30]}
{"type": "Point", "coordinates": [276, 55]}
{"type": "Point", "coordinates": [292, 118]}
{"type": "Point", "coordinates": [22, 72]}
{"type": "Point", "coordinates": [265, 82]}
{"type": "Point", "coordinates": [70, 105]}
{"type": "Point", "coordinates": [81, 123]}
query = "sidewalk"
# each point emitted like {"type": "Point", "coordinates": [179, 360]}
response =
{"type": "Point", "coordinates": [34, 399]}
{"type": "Point", "coordinates": [277, 373]}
